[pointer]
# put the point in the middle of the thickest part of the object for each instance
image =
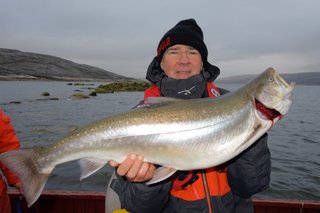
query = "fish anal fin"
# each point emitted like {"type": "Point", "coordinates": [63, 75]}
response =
{"type": "Point", "coordinates": [89, 166]}
{"type": "Point", "coordinates": [160, 174]}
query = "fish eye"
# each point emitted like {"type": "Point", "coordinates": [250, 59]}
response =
{"type": "Point", "coordinates": [270, 79]}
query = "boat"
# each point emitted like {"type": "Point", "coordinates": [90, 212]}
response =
{"type": "Point", "coordinates": [81, 202]}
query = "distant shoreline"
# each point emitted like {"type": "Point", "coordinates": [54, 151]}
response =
{"type": "Point", "coordinates": [34, 78]}
{"type": "Point", "coordinates": [307, 78]}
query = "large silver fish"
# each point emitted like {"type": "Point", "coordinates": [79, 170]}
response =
{"type": "Point", "coordinates": [177, 134]}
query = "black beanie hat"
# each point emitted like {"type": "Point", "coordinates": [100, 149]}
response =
{"type": "Point", "coordinates": [185, 32]}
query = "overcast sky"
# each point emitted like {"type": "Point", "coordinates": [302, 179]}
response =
{"type": "Point", "coordinates": [121, 36]}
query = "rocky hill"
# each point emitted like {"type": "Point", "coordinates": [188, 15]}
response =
{"type": "Point", "coordinates": [305, 78]}
{"type": "Point", "coordinates": [18, 65]}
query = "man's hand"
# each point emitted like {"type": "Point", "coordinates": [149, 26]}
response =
{"type": "Point", "coordinates": [134, 168]}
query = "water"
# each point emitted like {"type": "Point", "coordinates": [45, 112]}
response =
{"type": "Point", "coordinates": [293, 142]}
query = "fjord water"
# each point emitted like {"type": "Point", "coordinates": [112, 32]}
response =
{"type": "Point", "coordinates": [294, 142]}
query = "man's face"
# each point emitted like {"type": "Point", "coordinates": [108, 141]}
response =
{"type": "Point", "coordinates": [181, 62]}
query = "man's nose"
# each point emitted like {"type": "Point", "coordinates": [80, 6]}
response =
{"type": "Point", "coordinates": [184, 57]}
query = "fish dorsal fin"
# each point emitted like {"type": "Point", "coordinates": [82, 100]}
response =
{"type": "Point", "coordinates": [157, 101]}
{"type": "Point", "coordinates": [160, 174]}
{"type": "Point", "coordinates": [89, 166]}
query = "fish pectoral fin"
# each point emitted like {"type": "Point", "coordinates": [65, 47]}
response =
{"type": "Point", "coordinates": [259, 130]}
{"type": "Point", "coordinates": [160, 174]}
{"type": "Point", "coordinates": [89, 166]}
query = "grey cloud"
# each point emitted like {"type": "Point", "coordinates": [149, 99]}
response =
{"type": "Point", "coordinates": [121, 36]}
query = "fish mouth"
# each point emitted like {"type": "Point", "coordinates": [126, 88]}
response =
{"type": "Point", "coordinates": [265, 112]}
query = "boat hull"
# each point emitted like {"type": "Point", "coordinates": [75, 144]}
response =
{"type": "Point", "coordinates": [82, 202]}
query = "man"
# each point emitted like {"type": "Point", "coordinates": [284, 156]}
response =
{"type": "Point", "coordinates": [181, 70]}
{"type": "Point", "coordinates": [8, 141]}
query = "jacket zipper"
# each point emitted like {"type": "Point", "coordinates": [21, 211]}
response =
{"type": "Point", "coordinates": [206, 190]}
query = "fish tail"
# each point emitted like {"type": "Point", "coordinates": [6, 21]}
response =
{"type": "Point", "coordinates": [22, 163]}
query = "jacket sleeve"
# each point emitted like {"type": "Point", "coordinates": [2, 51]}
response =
{"type": "Point", "coordinates": [249, 173]}
{"type": "Point", "coordinates": [138, 197]}
{"type": "Point", "coordinates": [8, 141]}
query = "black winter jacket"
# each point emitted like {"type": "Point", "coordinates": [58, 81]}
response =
{"type": "Point", "coordinates": [248, 174]}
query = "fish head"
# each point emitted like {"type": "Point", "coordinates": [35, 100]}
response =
{"type": "Point", "coordinates": [273, 92]}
